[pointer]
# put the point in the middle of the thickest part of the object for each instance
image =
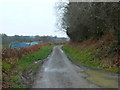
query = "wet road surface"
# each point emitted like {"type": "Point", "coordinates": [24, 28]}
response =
{"type": "Point", "coordinates": [59, 72]}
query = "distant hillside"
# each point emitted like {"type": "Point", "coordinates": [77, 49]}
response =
{"type": "Point", "coordinates": [8, 40]}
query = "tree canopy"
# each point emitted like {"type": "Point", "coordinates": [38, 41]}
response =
{"type": "Point", "coordinates": [84, 20]}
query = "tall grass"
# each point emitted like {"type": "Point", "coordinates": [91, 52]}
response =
{"type": "Point", "coordinates": [92, 56]}
{"type": "Point", "coordinates": [15, 60]}
{"type": "Point", "coordinates": [27, 63]}
{"type": "Point", "coordinates": [30, 58]}
{"type": "Point", "coordinates": [20, 52]}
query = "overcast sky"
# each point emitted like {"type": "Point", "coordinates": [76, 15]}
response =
{"type": "Point", "coordinates": [28, 17]}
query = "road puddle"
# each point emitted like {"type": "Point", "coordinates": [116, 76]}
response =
{"type": "Point", "coordinates": [54, 70]}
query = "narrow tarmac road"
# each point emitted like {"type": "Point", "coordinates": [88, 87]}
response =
{"type": "Point", "coordinates": [59, 72]}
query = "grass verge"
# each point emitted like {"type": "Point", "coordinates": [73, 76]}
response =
{"type": "Point", "coordinates": [29, 59]}
{"type": "Point", "coordinates": [88, 57]}
{"type": "Point", "coordinates": [27, 63]}
{"type": "Point", "coordinates": [102, 79]}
